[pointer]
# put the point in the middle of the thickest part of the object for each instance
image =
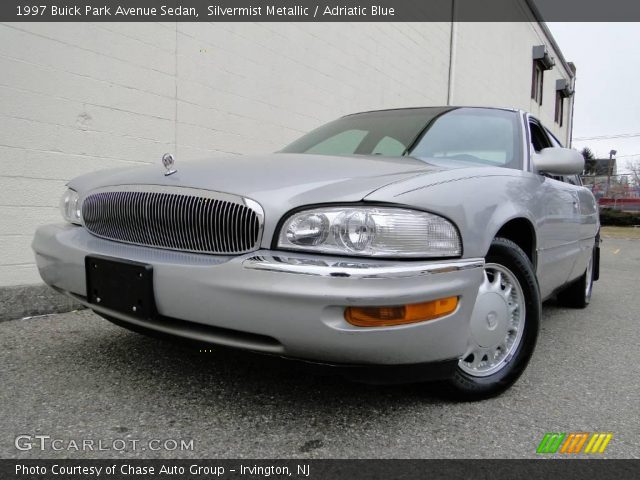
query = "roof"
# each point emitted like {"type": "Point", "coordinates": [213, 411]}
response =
{"type": "Point", "coordinates": [441, 107]}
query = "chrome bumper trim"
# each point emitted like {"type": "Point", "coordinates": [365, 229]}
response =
{"type": "Point", "coordinates": [357, 269]}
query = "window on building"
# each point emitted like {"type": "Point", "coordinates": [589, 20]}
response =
{"type": "Point", "coordinates": [537, 82]}
{"type": "Point", "coordinates": [563, 91]}
{"type": "Point", "coordinates": [541, 61]}
{"type": "Point", "coordinates": [559, 108]}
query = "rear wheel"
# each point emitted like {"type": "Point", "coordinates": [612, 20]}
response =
{"type": "Point", "coordinates": [578, 294]}
{"type": "Point", "coordinates": [503, 326]}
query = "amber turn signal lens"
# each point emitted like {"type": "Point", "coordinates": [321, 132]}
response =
{"type": "Point", "coordinates": [400, 315]}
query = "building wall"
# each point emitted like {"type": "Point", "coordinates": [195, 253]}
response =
{"type": "Point", "coordinates": [493, 66]}
{"type": "Point", "coordinates": [80, 97]}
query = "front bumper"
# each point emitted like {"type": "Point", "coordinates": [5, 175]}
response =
{"type": "Point", "coordinates": [284, 304]}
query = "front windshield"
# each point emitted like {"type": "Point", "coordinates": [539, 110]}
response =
{"type": "Point", "coordinates": [449, 136]}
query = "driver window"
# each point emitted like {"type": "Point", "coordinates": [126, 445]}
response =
{"type": "Point", "coordinates": [538, 137]}
{"type": "Point", "coordinates": [554, 140]}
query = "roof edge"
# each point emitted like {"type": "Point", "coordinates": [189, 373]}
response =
{"type": "Point", "coordinates": [443, 107]}
{"type": "Point", "coordinates": [543, 25]}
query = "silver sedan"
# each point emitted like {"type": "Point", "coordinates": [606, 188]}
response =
{"type": "Point", "coordinates": [391, 246]}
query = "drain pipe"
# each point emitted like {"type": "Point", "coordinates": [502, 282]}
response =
{"type": "Point", "coordinates": [452, 56]}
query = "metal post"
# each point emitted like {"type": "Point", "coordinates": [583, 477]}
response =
{"type": "Point", "coordinates": [610, 170]}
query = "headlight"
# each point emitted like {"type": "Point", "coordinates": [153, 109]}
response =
{"type": "Point", "coordinates": [370, 231]}
{"type": "Point", "coordinates": [70, 207]}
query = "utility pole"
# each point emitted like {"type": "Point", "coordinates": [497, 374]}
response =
{"type": "Point", "coordinates": [610, 170]}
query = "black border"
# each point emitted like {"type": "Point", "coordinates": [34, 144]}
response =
{"type": "Point", "coordinates": [404, 11]}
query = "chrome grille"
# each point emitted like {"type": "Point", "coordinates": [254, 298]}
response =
{"type": "Point", "coordinates": [174, 218]}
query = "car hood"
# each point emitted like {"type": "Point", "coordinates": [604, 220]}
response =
{"type": "Point", "coordinates": [283, 182]}
{"type": "Point", "coordinates": [277, 181]}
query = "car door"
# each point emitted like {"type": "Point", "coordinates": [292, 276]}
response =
{"type": "Point", "coordinates": [559, 221]}
{"type": "Point", "coordinates": [589, 224]}
{"type": "Point", "coordinates": [588, 218]}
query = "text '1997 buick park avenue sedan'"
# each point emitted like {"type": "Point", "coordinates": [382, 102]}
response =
{"type": "Point", "coordinates": [398, 245]}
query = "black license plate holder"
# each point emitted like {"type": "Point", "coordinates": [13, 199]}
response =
{"type": "Point", "coordinates": [121, 285]}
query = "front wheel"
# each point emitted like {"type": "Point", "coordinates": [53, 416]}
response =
{"type": "Point", "coordinates": [503, 327]}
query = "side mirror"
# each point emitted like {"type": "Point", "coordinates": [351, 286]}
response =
{"type": "Point", "coordinates": [558, 161]}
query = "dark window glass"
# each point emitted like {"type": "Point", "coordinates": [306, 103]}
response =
{"type": "Point", "coordinates": [538, 137]}
{"type": "Point", "coordinates": [559, 117]}
{"type": "Point", "coordinates": [537, 82]}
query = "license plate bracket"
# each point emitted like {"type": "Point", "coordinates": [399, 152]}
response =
{"type": "Point", "coordinates": [121, 285]}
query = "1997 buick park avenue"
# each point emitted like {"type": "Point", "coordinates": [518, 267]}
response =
{"type": "Point", "coordinates": [396, 245]}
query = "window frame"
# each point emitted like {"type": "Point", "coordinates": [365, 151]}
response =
{"type": "Point", "coordinates": [537, 88]}
{"type": "Point", "coordinates": [552, 137]}
{"type": "Point", "coordinates": [559, 110]}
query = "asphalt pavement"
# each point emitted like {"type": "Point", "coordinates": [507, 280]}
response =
{"type": "Point", "coordinates": [75, 377]}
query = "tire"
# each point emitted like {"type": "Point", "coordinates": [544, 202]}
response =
{"type": "Point", "coordinates": [504, 325]}
{"type": "Point", "coordinates": [578, 293]}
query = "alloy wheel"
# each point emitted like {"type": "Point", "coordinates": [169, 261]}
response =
{"type": "Point", "coordinates": [497, 322]}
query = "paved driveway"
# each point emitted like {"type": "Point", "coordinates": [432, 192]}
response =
{"type": "Point", "coordinates": [76, 376]}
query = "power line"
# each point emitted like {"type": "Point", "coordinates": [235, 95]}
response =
{"type": "Point", "coordinates": [607, 137]}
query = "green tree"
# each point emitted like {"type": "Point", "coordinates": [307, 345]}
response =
{"type": "Point", "coordinates": [589, 161]}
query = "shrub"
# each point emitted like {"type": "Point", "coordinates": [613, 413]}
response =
{"type": "Point", "coordinates": [609, 216]}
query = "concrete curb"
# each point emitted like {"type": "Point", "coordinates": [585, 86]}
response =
{"type": "Point", "coordinates": [29, 300]}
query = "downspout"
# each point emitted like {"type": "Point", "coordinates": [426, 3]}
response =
{"type": "Point", "coordinates": [573, 103]}
{"type": "Point", "coordinates": [452, 57]}
{"type": "Point", "coordinates": [175, 113]}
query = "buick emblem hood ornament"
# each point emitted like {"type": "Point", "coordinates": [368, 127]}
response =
{"type": "Point", "coordinates": [168, 161]}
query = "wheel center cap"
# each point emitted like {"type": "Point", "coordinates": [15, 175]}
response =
{"type": "Point", "coordinates": [492, 320]}
{"type": "Point", "coordinates": [489, 320]}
